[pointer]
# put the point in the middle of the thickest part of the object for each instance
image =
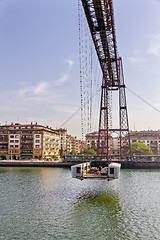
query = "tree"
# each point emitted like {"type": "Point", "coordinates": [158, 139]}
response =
{"type": "Point", "coordinates": [89, 151]}
{"type": "Point", "coordinates": [54, 157]}
{"type": "Point", "coordinates": [3, 157]}
{"type": "Point", "coordinates": [138, 148]}
{"type": "Point", "coordinates": [73, 153]}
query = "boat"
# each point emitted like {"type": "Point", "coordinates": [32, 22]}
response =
{"type": "Point", "coordinates": [86, 171]}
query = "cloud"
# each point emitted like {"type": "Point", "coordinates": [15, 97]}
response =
{"type": "Point", "coordinates": [137, 59]}
{"type": "Point", "coordinates": [155, 45]}
{"type": "Point", "coordinates": [70, 62]}
{"type": "Point", "coordinates": [64, 78]}
{"type": "Point", "coordinates": [42, 92]}
{"type": "Point", "coordinates": [31, 97]}
{"type": "Point", "coordinates": [30, 91]}
{"type": "Point", "coordinates": [64, 108]}
{"type": "Point", "coordinates": [44, 87]}
{"type": "Point", "coordinates": [40, 87]}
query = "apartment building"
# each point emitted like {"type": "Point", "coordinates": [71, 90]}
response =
{"type": "Point", "coordinates": [28, 141]}
{"type": "Point", "coordinates": [68, 143]}
{"type": "Point", "coordinates": [92, 139]}
{"type": "Point", "coordinates": [150, 138]}
{"type": "Point", "coordinates": [74, 144]}
{"type": "Point", "coordinates": [63, 140]}
{"type": "Point", "coordinates": [114, 143]}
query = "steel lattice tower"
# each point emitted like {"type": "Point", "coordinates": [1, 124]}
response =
{"type": "Point", "coordinates": [100, 18]}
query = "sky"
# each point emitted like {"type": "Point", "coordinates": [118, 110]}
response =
{"type": "Point", "coordinates": [39, 61]}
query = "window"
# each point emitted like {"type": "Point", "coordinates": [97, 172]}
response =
{"type": "Point", "coordinates": [78, 170]}
{"type": "Point", "coordinates": [37, 136]}
{"type": "Point", "coordinates": [16, 141]}
{"type": "Point", "coordinates": [37, 146]}
{"type": "Point", "coordinates": [11, 136]}
{"type": "Point", "coordinates": [11, 141]}
{"type": "Point", "coordinates": [11, 146]}
{"type": "Point", "coordinates": [111, 170]}
{"type": "Point", "coordinates": [38, 141]}
{"type": "Point", "coordinates": [16, 146]}
{"type": "Point", "coordinates": [17, 136]}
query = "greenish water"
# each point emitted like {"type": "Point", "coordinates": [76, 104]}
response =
{"type": "Point", "coordinates": [47, 203]}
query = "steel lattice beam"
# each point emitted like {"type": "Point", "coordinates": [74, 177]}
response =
{"type": "Point", "coordinates": [99, 14]}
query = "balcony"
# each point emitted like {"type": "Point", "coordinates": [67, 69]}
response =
{"type": "Point", "coordinates": [26, 151]}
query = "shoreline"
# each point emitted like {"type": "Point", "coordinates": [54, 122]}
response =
{"type": "Point", "coordinates": [40, 163]}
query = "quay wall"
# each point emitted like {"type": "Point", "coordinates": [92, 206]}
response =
{"type": "Point", "coordinates": [40, 163]}
{"type": "Point", "coordinates": [140, 165]}
{"type": "Point", "coordinates": [30, 163]}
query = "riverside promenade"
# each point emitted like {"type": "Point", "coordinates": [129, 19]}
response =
{"type": "Point", "coordinates": [41, 163]}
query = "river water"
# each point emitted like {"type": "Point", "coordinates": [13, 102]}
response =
{"type": "Point", "coordinates": [47, 203]}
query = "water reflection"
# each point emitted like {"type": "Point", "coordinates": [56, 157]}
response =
{"type": "Point", "coordinates": [47, 203]}
{"type": "Point", "coordinates": [101, 211]}
{"type": "Point", "coordinates": [109, 199]}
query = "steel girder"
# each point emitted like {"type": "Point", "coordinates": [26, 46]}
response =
{"type": "Point", "coordinates": [99, 14]}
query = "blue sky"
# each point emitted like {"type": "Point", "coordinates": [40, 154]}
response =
{"type": "Point", "coordinates": [39, 61]}
{"type": "Point", "coordinates": [138, 36]}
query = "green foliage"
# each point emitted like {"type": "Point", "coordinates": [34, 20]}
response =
{"type": "Point", "coordinates": [73, 153]}
{"type": "Point", "coordinates": [138, 148]}
{"type": "Point", "coordinates": [3, 157]}
{"type": "Point", "coordinates": [55, 157]}
{"type": "Point", "coordinates": [86, 151]}
{"type": "Point", "coordinates": [94, 147]}
{"type": "Point", "coordinates": [89, 151]}
{"type": "Point", "coordinates": [60, 152]}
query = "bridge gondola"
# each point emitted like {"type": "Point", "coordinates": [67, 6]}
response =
{"type": "Point", "coordinates": [85, 171]}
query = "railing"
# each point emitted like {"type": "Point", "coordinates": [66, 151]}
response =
{"type": "Point", "coordinates": [84, 158]}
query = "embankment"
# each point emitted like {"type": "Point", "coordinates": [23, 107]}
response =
{"type": "Point", "coordinates": [40, 163]}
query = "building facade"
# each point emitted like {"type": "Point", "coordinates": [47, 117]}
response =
{"type": "Point", "coordinates": [114, 143]}
{"type": "Point", "coordinates": [74, 145]}
{"type": "Point", "coordinates": [63, 140]}
{"type": "Point", "coordinates": [150, 138]}
{"type": "Point", "coordinates": [28, 141]}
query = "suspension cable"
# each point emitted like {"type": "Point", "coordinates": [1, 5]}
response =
{"type": "Point", "coordinates": [149, 104]}
{"type": "Point", "coordinates": [86, 102]}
